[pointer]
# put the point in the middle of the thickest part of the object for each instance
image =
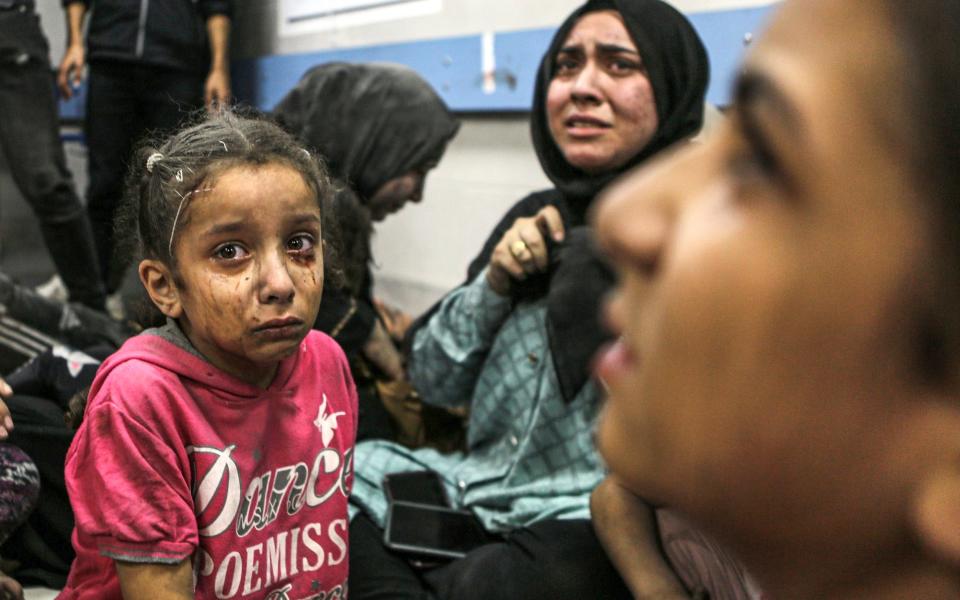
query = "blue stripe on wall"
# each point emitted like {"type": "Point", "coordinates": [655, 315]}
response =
{"type": "Point", "coordinates": [453, 65]}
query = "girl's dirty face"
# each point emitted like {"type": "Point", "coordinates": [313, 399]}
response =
{"type": "Point", "coordinates": [250, 269]}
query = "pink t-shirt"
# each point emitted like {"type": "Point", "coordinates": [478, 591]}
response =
{"type": "Point", "coordinates": [176, 459]}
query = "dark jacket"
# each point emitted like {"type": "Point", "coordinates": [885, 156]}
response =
{"type": "Point", "coordinates": [162, 33]}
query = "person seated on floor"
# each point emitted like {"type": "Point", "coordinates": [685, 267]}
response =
{"type": "Point", "coordinates": [46, 403]}
{"type": "Point", "coordinates": [787, 370]}
{"type": "Point", "coordinates": [39, 341]}
{"type": "Point", "coordinates": [19, 488]}
{"type": "Point", "coordinates": [381, 128]}
{"type": "Point", "coordinates": [621, 81]}
{"type": "Point", "coordinates": [187, 423]}
{"type": "Point", "coordinates": [31, 324]}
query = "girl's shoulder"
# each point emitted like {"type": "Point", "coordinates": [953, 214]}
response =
{"type": "Point", "coordinates": [145, 367]}
{"type": "Point", "coordinates": [322, 347]}
{"type": "Point", "coordinates": [324, 352]}
{"type": "Point", "coordinates": [133, 381]}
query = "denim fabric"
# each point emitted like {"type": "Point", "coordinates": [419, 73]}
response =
{"type": "Point", "coordinates": [30, 139]}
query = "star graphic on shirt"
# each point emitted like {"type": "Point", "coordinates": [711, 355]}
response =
{"type": "Point", "coordinates": [256, 454]}
{"type": "Point", "coordinates": [326, 424]}
{"type": "Point", "coordinates": [75, 360]}
{"type": "Point", "coordinates": [314, 585]}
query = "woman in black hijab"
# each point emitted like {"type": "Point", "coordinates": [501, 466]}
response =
{"type": "Point", "coordinates": [622, 80]}
{"type": "Point", "coordinates": [374, 124]}
{"type": "Point", "coordinates": [674, 62]}
{"type": "Point", "coordinates": [573, 111]}
{"type": "Point", "coordinates": [380, 128]}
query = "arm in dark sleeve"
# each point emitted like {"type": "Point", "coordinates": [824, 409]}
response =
{"type": "Point", "coordinates": [56, 374]}
{"type": "Point", "coordinates": [30, 378]}
{"type": "Point", "coordinates": [347, 319]}
{"type": "Point", "coordinates": [209, 8]}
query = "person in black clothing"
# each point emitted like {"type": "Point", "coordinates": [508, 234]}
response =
{"type": "Point", "coordinates": [39, 338]}
{"type": "Point", "coordinates": [43, 394]}
{"type": "Point", "coordinates": [30, 139]}
{"type": "Point", "coordinates": [381, 128]}
{"type": "Point", "coordinates": [148, 68]}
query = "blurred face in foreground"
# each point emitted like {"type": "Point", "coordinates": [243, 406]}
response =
{"type": "Point", "coordinates": [767, 382]}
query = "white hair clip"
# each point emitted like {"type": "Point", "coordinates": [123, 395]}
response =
{"type": "Point", "coordinates": [152, 160]}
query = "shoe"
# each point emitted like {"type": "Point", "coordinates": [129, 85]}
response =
{"type": "Point", "coordinates": [53, 289]}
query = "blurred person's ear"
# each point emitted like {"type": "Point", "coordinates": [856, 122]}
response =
{"type": "Point", "coordinates": [936, 512]}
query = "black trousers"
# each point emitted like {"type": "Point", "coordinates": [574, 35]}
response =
{"type": "Point", "coordinates": [551, 560]}
{"type": "Point", "coordinates": [30, 138]}
{"type": "Point", "coordinates": [126, 103]}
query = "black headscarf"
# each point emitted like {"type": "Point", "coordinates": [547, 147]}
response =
{"type": "Point", "coordinates": [371, 122]}
{"type": "Point", "coordinates": [676, 64]}
{"type": "Point", "coordinates": [579, 278]}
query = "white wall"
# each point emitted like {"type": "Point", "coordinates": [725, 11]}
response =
{"type": "Point", "coordinates": [424, 250]}
{"type": "Point", "coordinates": [257, 21]}
{"type": "Point", "coordinates": [54, 23]}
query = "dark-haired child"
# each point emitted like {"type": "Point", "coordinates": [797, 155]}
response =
{"type": "Point", "coordinates": [215, 456]}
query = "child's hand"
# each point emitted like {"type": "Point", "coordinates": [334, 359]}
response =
{"type": "Point", "coordinates": [6, 422]}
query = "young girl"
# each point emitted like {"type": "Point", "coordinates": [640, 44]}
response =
{"type": "Point", "coordinates": [215, 457]}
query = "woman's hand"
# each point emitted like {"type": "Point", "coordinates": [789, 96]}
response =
{"type": "Point", "coordinates": [6, 421]}
{"type": "Point", "coordinates": [522, 251]}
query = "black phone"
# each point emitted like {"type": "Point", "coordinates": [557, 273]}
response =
{"type": "Point", "coordinates": [433, 531]}
{"type": "Point", "coordinates": [420, 487]}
